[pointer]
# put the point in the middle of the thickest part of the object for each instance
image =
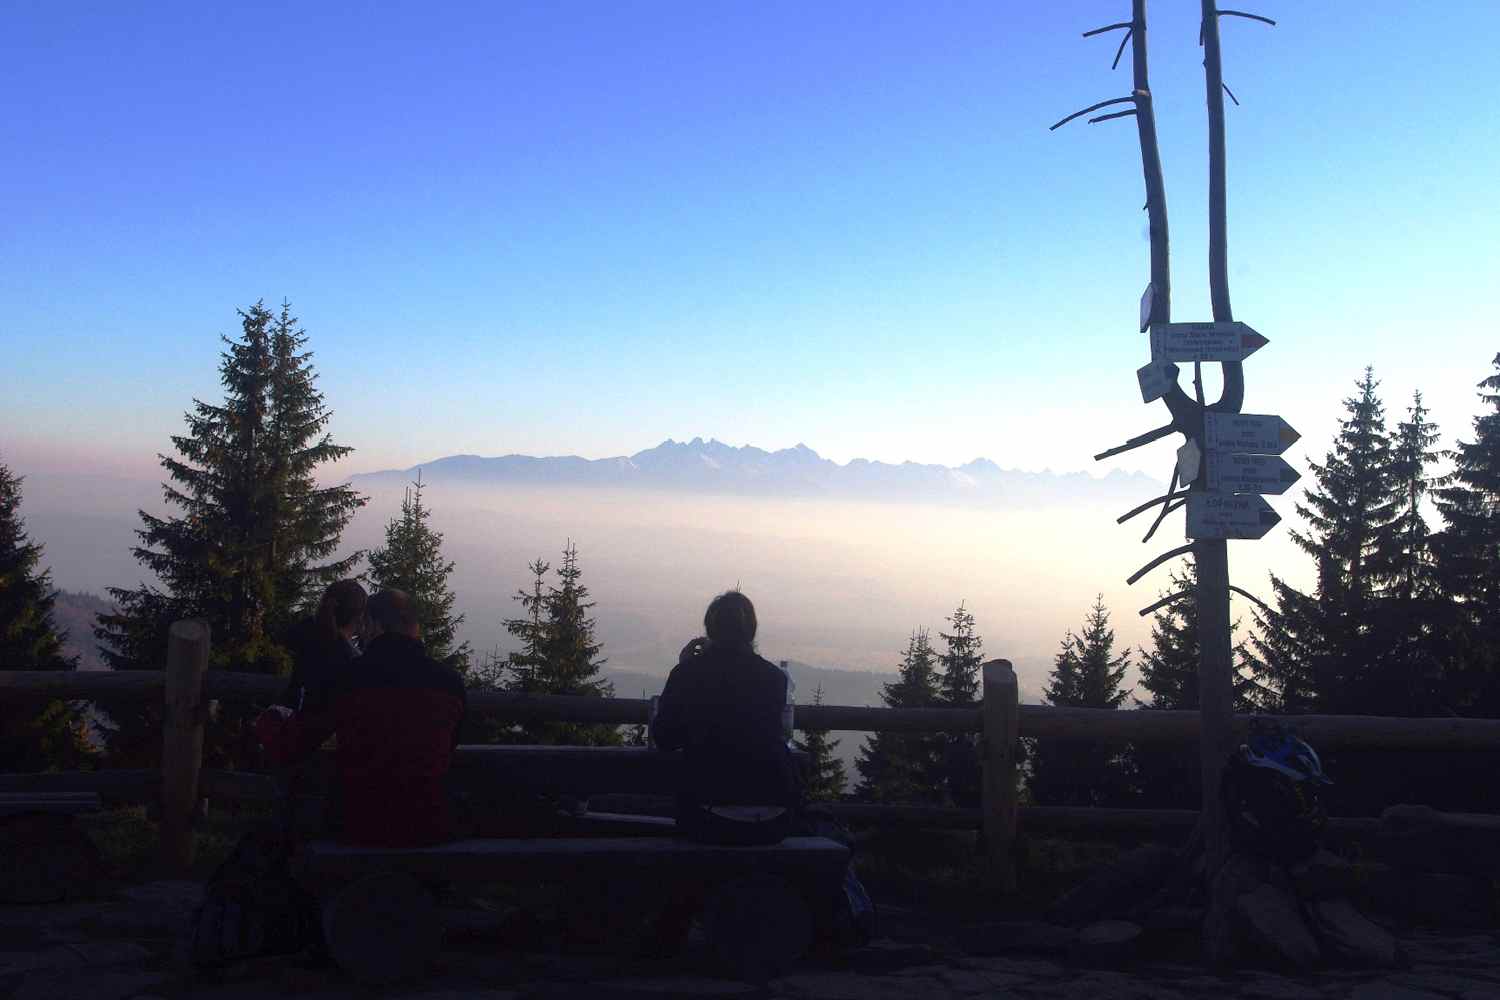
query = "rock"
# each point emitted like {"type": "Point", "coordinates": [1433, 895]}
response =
{"type": "Point", "coordinates": [1276, 988]}
{"type": "Point", "coordinates": [1429, 900]}
{"type": "Point", "coordinates": [1108, 942]}
{"type": "Point", "coordinates": [1326, 875]}
{"type": "Point", "coordinates": [108, 952]}
{"type": "Point", "coordinates": [1351, 936]}
{"type": "Point", "coordinates": [1380, 990]}
{"type": "Point", "coordinates": [1272, 924]}
{"type": "Point", "coordinates": [1239, 874]}
{"type": "Point", "coordinates": [1016, 938]}
{"type": "Point", "coordinates": [1117, 889]}
{"type": "Point", "coordinates": [86, 984]}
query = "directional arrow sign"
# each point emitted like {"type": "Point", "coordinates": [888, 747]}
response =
{"type": "Point", "coordinates": [1253, 433]}
{"type": "Point", "coordinates": [1204, 342]}
{"type": "Point", "coordinates": [1230, 473]}
{"type": "Point", "coordinates": [1229, 515]}
{"type": "Point", "coordinates": [1156, 379]}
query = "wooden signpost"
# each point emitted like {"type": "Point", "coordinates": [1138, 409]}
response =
{"type": "Point", "coordinates": [1221, 439]}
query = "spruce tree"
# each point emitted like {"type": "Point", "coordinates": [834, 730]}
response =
{"type": "Point", "coordinates": [55, 735]}
{"type": "Point", "coordinates": [825, 772]}
{"type": "Point", "coordinates": [958, 686]}
{"type": "Point", "coordinates": [901, 766]}
{"type": "Point", "coordinates": [559, 651]}
{"type": "Point", "coordinates": [1169, 674]}
{"type": "Point", "coordinates": [1319, 649]}
{"type": "Point", "coordinates": [412, 560]}
{"type": "Point", "coordinates": [1086, 674]}
{"type": "Point", "coordinates": [250, 545]}
{"type": "Point", "coordinates": [1469, 552]}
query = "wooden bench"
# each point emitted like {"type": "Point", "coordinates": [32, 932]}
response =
{"type": "Point", "coordinates": [760, 905]}
{"type": "Point", "coordinates": [46, 857]}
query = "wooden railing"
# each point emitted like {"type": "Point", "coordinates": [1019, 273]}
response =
{"type": "Point", "coordinates": [187, 686]}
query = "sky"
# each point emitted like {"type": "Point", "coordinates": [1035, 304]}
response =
{"type": "Point", "coordinates": [582, 228]}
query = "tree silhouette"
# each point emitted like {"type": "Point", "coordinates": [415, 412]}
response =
{"type": "Point", "coordinates": [825, 772]}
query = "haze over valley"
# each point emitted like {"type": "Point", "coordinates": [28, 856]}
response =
{"type": "Point", "coordinates": [843, 561]}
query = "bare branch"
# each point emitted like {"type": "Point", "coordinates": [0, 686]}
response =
{"type": "Point", "coordinates": [1117, 114]}
{"type": "Point", "coordinates": [1164, 499]}
{"type": "Point", "coordinates": [1090, 108]}
{"type": "Point", "coordinates": [1108, 27]}
{"type": "Point", "coordinates": [1166, 600]}
{"type": "Point", "coordinates": [1253, 17]}
{"type": "Point", "coordinates": [1236, 100]}
{"type": "Point", "coordinates": [1250, 597]}
{"type": "Point", "coordinates": [1169, 508]}
{"type": "Point", "coordinates": [1121, 50]}
{"type": "Point", "coordinates": [1171, 554]}
{"type": "Point", "coordinates": [1137, 441]}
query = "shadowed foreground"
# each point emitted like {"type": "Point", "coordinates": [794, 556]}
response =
{"type": "Point", "coordinates": [124, 946]}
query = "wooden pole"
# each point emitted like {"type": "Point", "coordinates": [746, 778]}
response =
{"type": "Point", "coordinates": [1001, 715]}
{"type": "Point", "coordinates": [1215, 666]}
{"type": "Point", "coordinates": [182, 740]}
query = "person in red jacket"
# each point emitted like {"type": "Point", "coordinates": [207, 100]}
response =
{"type": "Point", "coordinates": [396, 712]}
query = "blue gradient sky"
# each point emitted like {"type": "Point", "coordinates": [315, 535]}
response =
{"type": "Point", "coordinates": [584, 227]}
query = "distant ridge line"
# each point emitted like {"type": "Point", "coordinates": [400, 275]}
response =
{"type": "Point", "coordinates": [715, 467]}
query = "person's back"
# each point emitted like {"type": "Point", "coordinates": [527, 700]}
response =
{"type": "Point", "coordinates": [722, 706]}
{"type": "Point", "coordinates": [396, 712]}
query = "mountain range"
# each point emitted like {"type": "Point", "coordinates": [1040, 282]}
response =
{"type": "Point", "coordinates": [712, 466]}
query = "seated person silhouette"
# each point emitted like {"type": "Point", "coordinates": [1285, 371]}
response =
{"type": "Point", "coordinates": [722, 707]}
{"type": "Point", "coordinates": [321, 644]}
{"type": "Point", "coordinates": [396, 712]}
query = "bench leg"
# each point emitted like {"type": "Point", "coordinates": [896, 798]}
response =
{"type": "Point", "coordinates": [758, 927]}
{"type": "Point", "coordinates": [382, 928]}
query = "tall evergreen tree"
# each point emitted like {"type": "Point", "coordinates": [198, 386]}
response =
{"type": "Point", "coordinates": [958, 686]}
{"type": "Point", "coordinates": [1469, 551]}
{"type": "Point", "coordinates": [55, 736]}
{"type": "Point", "coordinates": [1406, 564]}
{"type": "Point", "coordinates": [900, 767]}
{"type": "Point", "coordinates": [251, 543]}
{"type": "Point", "coordinates": [1086, 674]}
{"type": "Point", "coordinates": [825, 772]}
{"type": "Point", "coordinates": [1169, 675]}
{"type": "Point", "coordinates": [412, 560]}
{"type": "Point", "coordinates": [1318, 648]}
{"type": "Point", "coordinates": [559, 651]}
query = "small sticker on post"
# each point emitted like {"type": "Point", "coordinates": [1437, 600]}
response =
{"type": "Point", "coordinates": [1156, 379]}
{"type": "Point", "coordinates": [1148, 303]}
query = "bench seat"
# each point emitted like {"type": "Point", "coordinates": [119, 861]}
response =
{"type": "Point", "coordinates": [568, 858]}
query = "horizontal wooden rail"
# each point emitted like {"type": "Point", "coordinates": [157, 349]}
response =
{"type": "Point", "coordinates": [120, 783]}
{"type": "Point", "coordinates": [1036, 721]}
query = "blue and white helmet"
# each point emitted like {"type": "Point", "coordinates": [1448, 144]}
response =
{"type": "Point", "coordinates": [1272, 745]}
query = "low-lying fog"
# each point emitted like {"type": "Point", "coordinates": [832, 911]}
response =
{"type": "Point", "coordinates": [837, 584]}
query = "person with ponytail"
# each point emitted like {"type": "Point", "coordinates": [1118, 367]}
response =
{"type": "Point", "coordinates": [722, 707]}
{"type": "Point", "coordinates": [322, 644]}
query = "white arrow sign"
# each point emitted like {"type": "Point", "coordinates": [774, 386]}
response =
{"type": "Point", "coordinates": [1253, 433]}
{"type": "Point", "coordinates": [1229, 515]}
{"type": "Point", "coordinates": [1231, 473]}
{"type": "Point", "coordinates": [1156, 379]}
{"type": "Point", "coordinates": [1204, 342]}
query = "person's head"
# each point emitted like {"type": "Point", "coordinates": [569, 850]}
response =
{"type": "Point", "coordinates": [730, 621]}
{"type": "Point", "coordinates": [393, 611]}
{"type": "Point", "coordinates": [342, 608]}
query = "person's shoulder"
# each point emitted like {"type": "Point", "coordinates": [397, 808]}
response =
{"type": "Point", "coordinates": [443, 677]}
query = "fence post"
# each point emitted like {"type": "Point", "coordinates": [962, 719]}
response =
{"type": "Point", "coordinates": [182, 740]}
{"type": "Point", "coordinates": [1000, 716]}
